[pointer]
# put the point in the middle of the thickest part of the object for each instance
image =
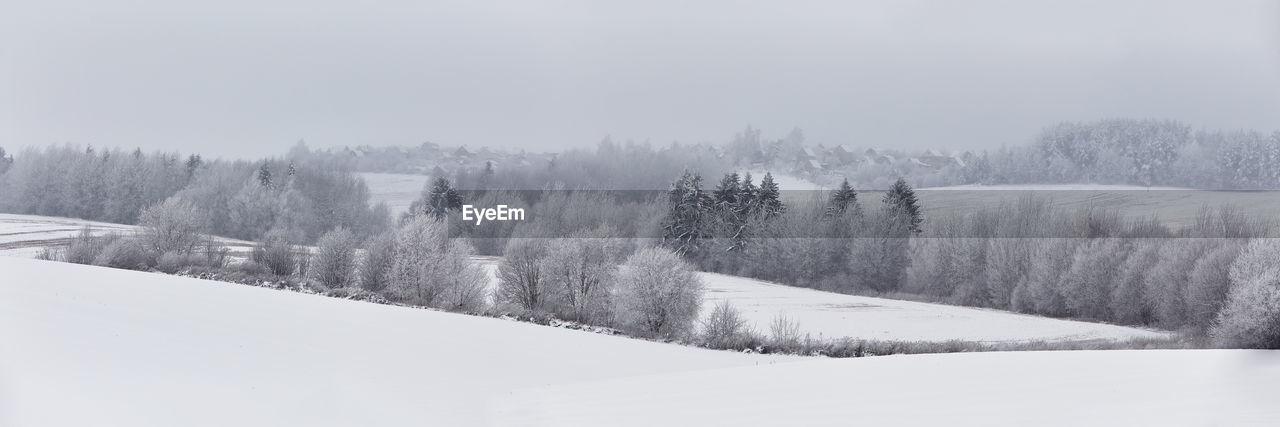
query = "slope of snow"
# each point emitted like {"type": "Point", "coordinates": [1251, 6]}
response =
{"type": "Point", "coordinates": [1140, 387]}
{"type": "Point", "coordinates": [834, 315]}
{"type": "Point", "coordinates": [86, 345]}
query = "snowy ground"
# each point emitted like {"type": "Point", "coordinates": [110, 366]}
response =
{"type": "Point", "coordinates": [106, 347]}
{"type": "Point", "coordinates": [87, 345]}
{"type": "Point", "coordinates": [1137, 388]}
{"type": "Point", "coordinates": [1172, 206]}
{"type": "Point", "coordinates": [831, 315]}
{"type": "Point", "coordinates": [397, 190]}
{"type": "Point", "coordinates": [25, 235]}
{"type": "Point", "coordinates": [1051, 187]}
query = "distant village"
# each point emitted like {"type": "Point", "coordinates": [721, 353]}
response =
{"type": "Point", "coordinates": [819, 163]}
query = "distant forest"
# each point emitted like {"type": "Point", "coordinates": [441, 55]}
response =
{"type": "Point", "coordinates": [1118, 151]}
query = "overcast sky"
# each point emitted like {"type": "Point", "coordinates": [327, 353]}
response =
{"type": "Point", "coordinates": [250, 78]}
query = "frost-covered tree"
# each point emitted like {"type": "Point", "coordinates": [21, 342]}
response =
{"type": "Point", "coordinates": [725, 328]}
{"type": "Point", "coordinates": [1251, 316]}
{"type": "Point", "coordinates": [768, 202]}
{"type": "Point", "coordinates": [843, 200]}
{"type": "Point", "coordinates": [431, 269]}
{"type": "Point", "coordinates": [375, 266]}
{"type": "Point", "coordinates": [1209, 282]}
{"type": "Point", "coordinates": [275, 253]}
{"type": "Point", "coordinates": [659, 293]}
{"type": "Point", "coordinates": [579, 273]}
{"type": "Point", "coordinates": [522, 278]}
{"type": "Point", "coordinates": [333, 263]}
{"type": "Point", "coordinates": [688, 219]}
{"type": "Point", "coordinates": [902, 203]}
{"type": "Point", "coordinates": [174, 226]}
{"type": "Point", "coordinates": [437, 200]}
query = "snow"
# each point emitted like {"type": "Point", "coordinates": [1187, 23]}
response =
{"type": "Point", "coordinates": [398, 191]}
{"type": "Point", "coordinates": [1054, 187]}
{"type": "Point", "coordinates": [1136, 387]}
{"type": "Point", "coordinates": [821, 314]}
{"type": "Point", "coordinates": [832, 315]}
{"type": "Point", "coordinates": [25, 235]}
{"type": "Point", "coordinates": [88, 345]}
{"type": "Point", "coordinates": [786, 182]}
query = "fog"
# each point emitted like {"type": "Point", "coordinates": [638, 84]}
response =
{"type": "Point", "coordinates": [250, 78]}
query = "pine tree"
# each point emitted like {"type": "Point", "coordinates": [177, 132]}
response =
{"type": "Point", "coordinates": [767, 202]}
{"type": "Point", "coordinates": [726, 195]}
{"type": "Point", "coordinates": [901, 201]}
{"type": "Point", "coordinates": [264, 176]}
{"type": "Point", "coordinates": [842, 199]}
{"type": "Point", "coordinates": [686, 223]}
{"type": "Point", "coordinates": [747, 193]}
{"type": "Point", "coordinates": [5, 161]}
{"type": "Point", "coordinates": [438, 201]}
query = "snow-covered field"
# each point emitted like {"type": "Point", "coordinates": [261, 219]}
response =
{"type": "Point", "coordinates": [1068, 388]}
{"type": "Point", "coordinates": [85, 345]}
{"type": "Point", "coordinates": [1172, 206]}
{"type": "Point", "coordinates": [397, 190]}
{"type": "Point", "coordinates": [1050, 187]}
{"type": "Point", "coordinates": [88, 345]}
{"type": "Point", "coordinates": [25, 235]}
{"type": "Point", "coordinates": [832, 315]}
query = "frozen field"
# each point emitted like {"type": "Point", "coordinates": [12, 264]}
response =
{"type": "Point", "coordinates": [1068, 388]}
{"type": "Point", "coordinates": [398, 191]}
{"type": "Point", "coordinates": [25, 235]}
{"type": "Point", "coordinates": [831, 315]}
{"type": "Point", "coordinates": [1172, 206]}
{"type": "Point", "coordinates": [95, 346]}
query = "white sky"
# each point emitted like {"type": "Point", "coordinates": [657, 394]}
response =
{"type": "Point", "coordinates": [250, 78]}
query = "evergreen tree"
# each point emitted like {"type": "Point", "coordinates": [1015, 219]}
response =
{"type": "Point", "coordinates": [767, 202]}
{"type": "Point", "coordinates": [842, 199]}
{"type": "Point", "coordinates": [438, 200]}
{"type": "Point", "coordinates": [747, 193]}
{"type": "Point", "coordinates": [5, 161]}
{"type": "Point", "coordinates": [264, 176]}
{"type": "Point", "coordinates": [901, 201]}
{"type": "Point", "coordinates": [686, 222]}
{"type": "Point", "coordinates": [726, 195]}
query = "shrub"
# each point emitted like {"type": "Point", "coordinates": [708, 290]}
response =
{"type": "Point", "coordinates": [659, 293]}
{"type": "Point", "coordinates": [275, 253]}
{"type": "Point", "coordinates": [333, 265]}
{"type": "Point", "coordinates": [174, 225]}
{"type": "Point", "coordinates": [379, 254]}
{"type": "Point", "coordinates": [784, 333]}
{"type": "Point", "coordinates": [172, 262]}
{"type": "Point", "coordinates": [215, 254]}
{"type": "Point", "coordinates": [725, 328]}
{"type": "Point", "coordinates": [84, 247]}
{"type": "Point", "coordinates": [124, 253]}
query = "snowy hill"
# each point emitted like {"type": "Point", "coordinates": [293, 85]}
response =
{"type": "Point", "coordinates": [95, 346]}
{"type": "Point", "coordinates": [1068, 388]}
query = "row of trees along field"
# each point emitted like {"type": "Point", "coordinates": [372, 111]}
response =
{"type": "Point", "coordinates": [244, 200]}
